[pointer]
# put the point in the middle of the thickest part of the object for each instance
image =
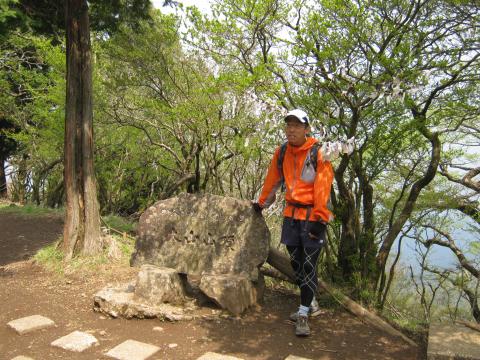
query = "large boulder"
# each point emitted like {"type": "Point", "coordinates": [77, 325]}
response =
{"type": "Point", "coordinates": [203, 234]}
{"type": "Point", "coordinates": [159, 285]}
{"type": "Point", "coordinates": [121, 301]}
{"type": "Point", "coordinates": [235, 293]}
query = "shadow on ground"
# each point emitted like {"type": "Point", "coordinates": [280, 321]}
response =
{"type": "Point", "coordinates": [21, 236]}
{"type": "Point", "coordinates": [260, 334]}
{"type": "Point", "coordinates": [335, 335]}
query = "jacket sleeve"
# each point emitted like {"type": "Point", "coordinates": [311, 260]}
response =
{"type": "Point", "coordinates": [272, 183]}
{"type": "Point", "coordinates": [321, 190]}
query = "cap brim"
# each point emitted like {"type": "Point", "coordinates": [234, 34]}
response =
{"type": "Point", "coordinates": [296, 118]}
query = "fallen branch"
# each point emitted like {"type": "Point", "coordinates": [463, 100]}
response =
{"type": "Point", "coordinates": [273, 273]}
{"type": "Point", "coordinates": [469, 324]}
{"type": "Point", "coordinates": [282, 263]}
{"type": "Point", "coordinates": [123, 233]}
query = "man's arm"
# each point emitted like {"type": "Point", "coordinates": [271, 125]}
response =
{"type": "Point", "coordinates": [272, 183]}
{"type": "Point", "coordinates": [321, 190]}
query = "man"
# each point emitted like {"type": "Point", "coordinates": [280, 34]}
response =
{"type": "Point", "coordinates": [306, 213]}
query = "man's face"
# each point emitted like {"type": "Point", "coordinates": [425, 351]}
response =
{"type": "Point", "coordinates": [296, 131]}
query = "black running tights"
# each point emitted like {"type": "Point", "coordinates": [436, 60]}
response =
{"type": "Point", "coordinates": [304, 263]}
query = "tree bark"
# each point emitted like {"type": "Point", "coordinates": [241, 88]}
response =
{"type": "Point", "coordinates": [21, 181]}
{"type": "Point", "coordinates": [282, 264]}
{"type": "Point", "coordinates": [3, 180]}
{"type": "Point", "coordinates": [347, 250]}
{"type": "Point", "coordinates": [82, 220]}
{"type": "Point", "coordinates": [469, 324]}
{"type": "Point", "coordinates": [55, 195]}
{"type": "Point", "coordinates": [37, 179]}
{"type": "Point", "coordinates": [415, 191]}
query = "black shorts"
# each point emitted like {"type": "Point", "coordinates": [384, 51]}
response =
{"type": "Point", "coordinates": [295, 233]}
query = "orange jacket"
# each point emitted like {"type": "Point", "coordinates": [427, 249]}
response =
{"type": "Point", "coordinates": [302, 185]}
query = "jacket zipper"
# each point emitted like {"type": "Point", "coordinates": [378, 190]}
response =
{"type": "Point", "coordinates": [294, 172]}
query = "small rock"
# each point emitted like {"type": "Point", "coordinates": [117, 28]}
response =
{"type": "Point", "coordinates": [103, 333]}
{"type": "Point", "coordinates": [217, 356]}
{"type": "Point", "coordinates": [159, 285]}
{"type": "Point", "coordinates": [76, 341]}
{"type": "Point", "coordinates": [132, 349]}
{"type": "Point", "coordinates": [172, 346]}
{"type": "Point", "coordinates": [230, 291]}
{"type": "Point", "coordinates": [30, 323]}
{"type": "Point", "coordinates": [157, 328]}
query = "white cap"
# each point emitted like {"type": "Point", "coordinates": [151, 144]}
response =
{"type": "Point", "coordinates": [299, 114]}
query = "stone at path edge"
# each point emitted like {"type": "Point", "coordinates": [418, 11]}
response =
{"type": "Point", "coordinates": [232, 292]}
{"type": "Point", "coordinates": [159, 285]}
{"type": "Point", "coordinates": [132, 349]}
{"type": "Point", "coordinates": [293, 357]}
{"type": "Point", "coordinates": [217, 356]}
{"type": "Point", "coordinates": [30, 323]}
{"type": "Point", "coordinates": [76, 341]}
{"type": "Point", "coordinates": [449, 341]}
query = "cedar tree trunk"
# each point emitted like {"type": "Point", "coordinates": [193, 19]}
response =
{"type": "Point", "coordinates": [81, 233]}
{"type": "Point", "coordinates": [3, 180]}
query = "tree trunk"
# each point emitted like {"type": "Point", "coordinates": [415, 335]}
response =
{"type": "Point", "coordinates": [55, 195]}
{"type": "Point", "coordinates": [82, 219]}
{"type": "Point", "coordinates": [21, 181]}
{"type": "Point", "coordinates": [38, 178]}
{"type": "Point", "coordinates": [469, 324]}
{"type": "Point", "coordinates": [3, 180]}
{"type": "Point", "coordinates": [347, 249]}
{"type": "Point", "coordinates": [36, 190]}
{"type": "Point", "coordinates": [407, 210]}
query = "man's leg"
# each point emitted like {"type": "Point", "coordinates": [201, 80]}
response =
{"type": "Point", "coordinates": [309, 271]}
{"type": "Point", "coordinates": [307, 288]}
{"type": "Point", "coordinates": [296, 260]}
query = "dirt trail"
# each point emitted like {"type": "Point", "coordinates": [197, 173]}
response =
{"type": "Point", "coordinates": [22, 236]}
{"type": "Point", "coordinates": [263, 333]}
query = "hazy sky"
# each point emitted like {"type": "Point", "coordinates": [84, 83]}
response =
{"type": "Point", "coordinates": [201, 4]}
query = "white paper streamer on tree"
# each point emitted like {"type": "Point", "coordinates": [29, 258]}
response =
{"type": "Point", "coordinates": [332, 149]}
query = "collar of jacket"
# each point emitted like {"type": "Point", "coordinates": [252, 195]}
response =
{"type": "Point", "coordinates": [306, 146]}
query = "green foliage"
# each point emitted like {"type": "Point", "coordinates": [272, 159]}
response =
{"type": "Point", "coordinates": [47, 17]}
{"type": "Point", "coordinates": [29, 210]}
{"type": "Point", "coordinates": [126, 247]}
{"type": "Point", "coordinates": [32, 75]}
{"type": "Point", "coordinates": [11, 18]}
{"type": "Point", "coordinates": [164, 100]}
{"type": "Point", "coordinates": [51, 257]}
{"type": "Point", "coordinates": [474, 248]}
{"type": "Point", "coordinates": [123, 225]}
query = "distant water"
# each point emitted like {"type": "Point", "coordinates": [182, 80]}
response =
{"type": "Point", "coordinates": [439, 256]}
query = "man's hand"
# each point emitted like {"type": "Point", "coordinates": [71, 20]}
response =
{"type": "Point", "coordinates": [257, 207]}
{"type": "Point", "coordinates": [317, 230]}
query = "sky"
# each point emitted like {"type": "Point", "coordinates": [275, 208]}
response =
{"type": "Point", "coordinates": [202, 5]}
{"type": "Point", "coordinates": [440, 256]}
